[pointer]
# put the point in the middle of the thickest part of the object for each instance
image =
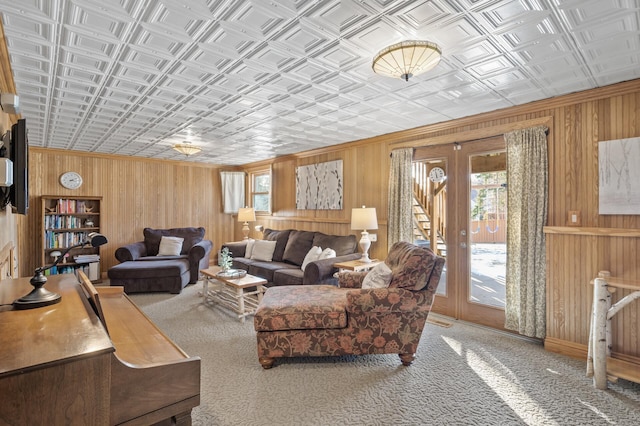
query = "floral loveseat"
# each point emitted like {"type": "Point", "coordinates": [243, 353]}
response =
{"type": "Point", "coordinates": [325, 320]}
{"type": "Point", "coordinates": [284, 267]}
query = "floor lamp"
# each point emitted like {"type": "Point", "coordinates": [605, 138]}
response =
{"type": "Point", "coordinates": [246, 215]}
{"type": "Point", "coordinates": [364, 218]}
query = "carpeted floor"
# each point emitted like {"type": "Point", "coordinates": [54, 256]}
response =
{"type": "Point", "coordinates": [463, 375]}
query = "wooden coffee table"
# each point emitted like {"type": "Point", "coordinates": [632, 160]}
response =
{"type": "Point", "coordinates": [231, 292]}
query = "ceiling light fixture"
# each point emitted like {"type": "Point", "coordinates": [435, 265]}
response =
{"type": "Point", "coordinates": [187, 148]}
{"type": "Point", "coordinates": [407, 59]}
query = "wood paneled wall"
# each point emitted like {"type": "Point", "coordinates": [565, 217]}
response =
{"type": "Point", "coordinates": [597, 249]}
{"type": "Point", "coordinates": [576, 123]}
{"type": "Point", "coordinates": [365, 169]}
{"type": "Point", "coordinates": [137, 193]}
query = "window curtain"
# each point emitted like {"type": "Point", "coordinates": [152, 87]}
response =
{"type": "Point", "coordinates": [400, 218]}
{"type": "Point", "coordinates": [232, 191]}
{"type": "Point", "coordinates": [527, 192]}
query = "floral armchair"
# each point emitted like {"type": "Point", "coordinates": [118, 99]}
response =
{"type": "Point", "coordinates": [323, 320]}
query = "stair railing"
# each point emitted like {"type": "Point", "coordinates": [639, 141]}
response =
{"type": "Point", "coordinates": [431, 197]}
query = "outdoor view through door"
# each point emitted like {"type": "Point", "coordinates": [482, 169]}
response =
{"type": "Point", "coordinates": [488, 230]}
{"type": "Point", "coordinates": [460, 211]}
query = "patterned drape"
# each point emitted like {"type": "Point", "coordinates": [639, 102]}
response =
{"type": "Point", "coordinates": [400, 219]}
{"type": "Point", "coordinates": [527, 191]}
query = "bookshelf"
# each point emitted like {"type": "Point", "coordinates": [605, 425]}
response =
{"type": "Point", "coordinates": [67, 221]}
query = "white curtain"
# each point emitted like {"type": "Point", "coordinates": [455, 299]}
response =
{"type": "Point", "coordinates": [232, 191]}
{"type": "Point", "coordinates": [400, 216]}
{"type": "Point", "coordinates": [527, 192]}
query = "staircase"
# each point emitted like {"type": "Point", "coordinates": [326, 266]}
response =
{"type": "Point", "coordinates": [429, 210]}
{"type": "Point", "coordinates": [422, 229]}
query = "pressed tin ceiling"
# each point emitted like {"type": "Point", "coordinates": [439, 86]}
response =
{"type": "Point", "coordinates": [248, 80]}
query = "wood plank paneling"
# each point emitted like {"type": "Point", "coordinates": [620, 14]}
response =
{"type": "Point", "coordinates": [571, 294]}
{"type": "Point", "coordinates": [576, 123]}
{"type": "Point", "coordinates": [137, 193]}
{"type": "Point", "coordinates": [365, 183]}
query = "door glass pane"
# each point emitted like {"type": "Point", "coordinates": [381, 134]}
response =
{"type": "Point", "coordinates": [429, 210]}
{"type": "Point", "coordinates": [488, 229]}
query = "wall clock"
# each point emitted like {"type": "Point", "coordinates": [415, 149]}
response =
{"type": "Point", "coordinates": [71, 180]}
{"type": "Point", "coordinates": [437, 175]}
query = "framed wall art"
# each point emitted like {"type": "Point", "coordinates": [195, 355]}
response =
{"type": "Point", "coordinates": [319, 186]}
{"type": "Point", "coordinates": [619, 176]}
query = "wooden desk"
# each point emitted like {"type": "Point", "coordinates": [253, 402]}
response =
{"type": "Point", "coordinates": [58, 364]}
{"type": "Point", "coordinates": [54, 360]}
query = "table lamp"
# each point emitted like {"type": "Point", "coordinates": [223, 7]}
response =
{"type": "Point", "coordinates": [40, 296]}
{"type": "Point", "coordinates": [364, 218]}
{"type": "Point", "coordinates": [246, 215]}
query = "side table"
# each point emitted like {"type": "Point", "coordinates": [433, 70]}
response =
{"type": "Point", "coordinates": [231, 292]}
{"type": "Point", "coordinates": [357, 265]}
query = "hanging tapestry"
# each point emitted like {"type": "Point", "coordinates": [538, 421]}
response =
{"type": "Point", "coordinates": [319, 186]}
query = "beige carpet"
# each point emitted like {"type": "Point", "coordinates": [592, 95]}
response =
{"type": "Point", "coordinates": [463, 375]}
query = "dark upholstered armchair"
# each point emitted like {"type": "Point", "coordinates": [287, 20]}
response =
{"type": "Point", "coordinates": [142, 269]}
{"type": "Point", "coordinates": [326, 320]}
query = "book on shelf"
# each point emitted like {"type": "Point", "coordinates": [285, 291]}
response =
{"type": "Point", "coordinates": [61, 222]}
{"type": "Point", "coordinates": [67, 206]}
{"type": "Point", "coordinates": [64, 239]}
{"type": "Point", "coordinates": [87, 258]}
{"type": "Point", "coordinates": [91, 270]}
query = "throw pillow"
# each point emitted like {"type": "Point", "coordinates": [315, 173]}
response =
{"type": "Point", "coordinates": [248, 251]}
{"type": "Point", "coordinates": [378, 277]}
{"type": "Point", "coordinates": [298, 245]}
{"type": "Point", "coordinates": [263, 250]}
{"type": "Point", "coordinates": [170, 246]}
{"type": "Point", "coordinates": [281, 237]}
{"type": "Point", "coordinates": [312, 256]}
{"type": "Point", "coordinates": [327, 253]}
{"type": "Point", "coordinates": [346, 244]}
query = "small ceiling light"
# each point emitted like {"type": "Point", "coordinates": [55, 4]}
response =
{"type": "Point", "coordinates": [407, 59]}
{"type": "Point", "coordinates": [187, 148]}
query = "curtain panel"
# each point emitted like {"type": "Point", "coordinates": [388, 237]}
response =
{"type": "Point", "coordinates": [527, 191]}
{"type": "Point", "coordinates": [400, 216]}
{"type": "Point", "coordinates": [232, 191]}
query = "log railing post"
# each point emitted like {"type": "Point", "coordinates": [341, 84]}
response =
{"type": "Point", "coordinates": [601, 303]}
{"type": "Point", "coordinates": [600, 343]}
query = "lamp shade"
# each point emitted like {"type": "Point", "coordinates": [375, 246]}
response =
{"type": "Point", "coordinates": [364, 218]}
{"type": "Point", "coordinates": [407, 59]}
{"type": "Point", "coordinates": [246, 214]}
{"type": "Point", "coordinates": [187, 148]}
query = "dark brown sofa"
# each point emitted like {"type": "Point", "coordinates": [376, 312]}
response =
{"type": "Point", "coordinates": [291, 248]}
{"type": "Point", "coordinates": [142, 270]}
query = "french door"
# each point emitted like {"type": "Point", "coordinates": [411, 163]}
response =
{"type": "Point", "coordinates": [472, 236]}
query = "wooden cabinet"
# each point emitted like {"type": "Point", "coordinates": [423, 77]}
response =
{"type": "Point", "coordinates": [67, 221]}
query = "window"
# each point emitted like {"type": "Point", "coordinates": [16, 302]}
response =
{"type": "Point", "coordinates": [261, 191]}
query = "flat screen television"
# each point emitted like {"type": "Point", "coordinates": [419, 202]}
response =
{"type": "Point", "coordinates": [19, 192]}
